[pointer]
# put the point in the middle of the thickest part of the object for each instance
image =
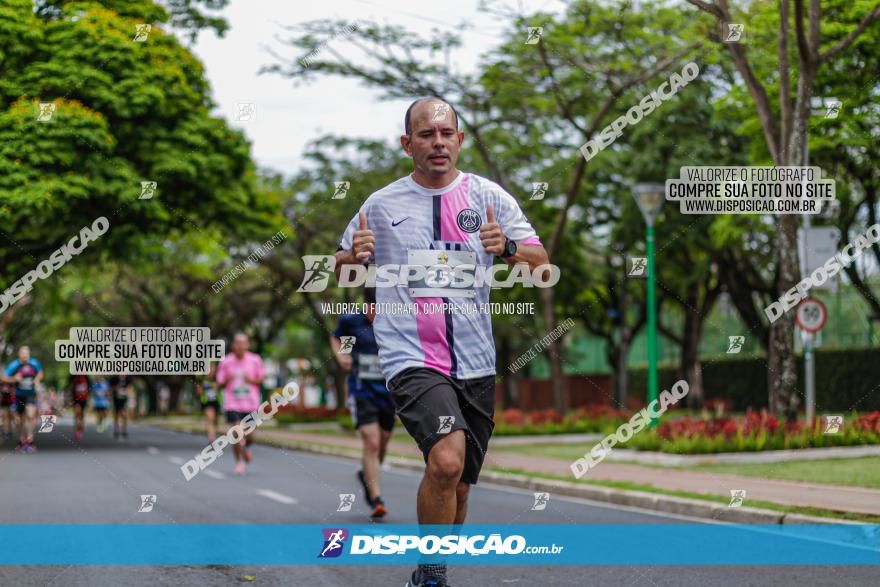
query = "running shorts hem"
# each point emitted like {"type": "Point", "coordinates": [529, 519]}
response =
{"type": "Point", "coordinates": [431, 405]}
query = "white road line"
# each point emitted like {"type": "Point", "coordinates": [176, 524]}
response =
{"type": "Point", "coordinates": [176, 460]}
{"type": "Point", "coordinates": [152, 450]}
{"type": "Point", "coordinates": [214, 474]}
{"type": "Point", "coordinates": [280, 498]}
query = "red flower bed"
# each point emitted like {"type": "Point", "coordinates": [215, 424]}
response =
{"type": "Point", "coordinates": [868, 422]}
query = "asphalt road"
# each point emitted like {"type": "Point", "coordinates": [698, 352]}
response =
{"type": "Point", "coordinates": [99, 481]}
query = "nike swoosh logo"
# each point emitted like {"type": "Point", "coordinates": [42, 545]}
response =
{"type": "Point", "coordinates": [393, 224]}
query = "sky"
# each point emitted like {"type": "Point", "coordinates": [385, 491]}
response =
{"type": "Point", "coordinates": [286, 117]}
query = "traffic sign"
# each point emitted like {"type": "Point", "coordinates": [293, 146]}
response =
{"type": "Point", "coordinates": [811, 315]}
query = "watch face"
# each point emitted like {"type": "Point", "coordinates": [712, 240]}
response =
{"type": "Point", "coordinates": [510, 248]}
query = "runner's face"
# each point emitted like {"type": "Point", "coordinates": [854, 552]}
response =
{"type": "Point", "coordinates": [24, 354]}
{"type": "Point", "coordinates": [434, 143]}
{"type": "Point", "coordinates": [240, 346]}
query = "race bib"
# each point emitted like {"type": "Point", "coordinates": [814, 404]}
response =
{"type": "Point", "coordinates": [368, 367]}
{"type": "Point", "coordinates": [440, 279]}
{"type": "Point", "coordinates": [241, 390]}
{"type": "Point", "coordinates": [26, 383]}
{"type": "Point", "coordinates": [210, 392]}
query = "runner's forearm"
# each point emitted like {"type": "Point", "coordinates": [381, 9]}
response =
{"type": "Point", "coordinates": [534, 255]}
{"type": "Point", "coordinates": [344, 258]}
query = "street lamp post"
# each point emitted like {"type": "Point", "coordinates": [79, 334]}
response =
{"type": "Point", "coordinates": [649, 197]}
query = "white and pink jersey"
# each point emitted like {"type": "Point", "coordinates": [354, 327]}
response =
{"type": "Point", "coordinates": [405, 217]}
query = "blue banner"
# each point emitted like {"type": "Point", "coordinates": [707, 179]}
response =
{"type": "Point", "coordinates": [635, 544]}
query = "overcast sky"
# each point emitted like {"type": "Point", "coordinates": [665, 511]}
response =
{"type": "Point", "coordinates": [288, 117]}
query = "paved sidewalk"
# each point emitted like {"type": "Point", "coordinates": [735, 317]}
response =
{"type": "Point", "coordinates": [829, 497]}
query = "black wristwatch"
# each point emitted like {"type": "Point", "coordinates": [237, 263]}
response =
{"type": "Point", "coordinates": [509, 249]}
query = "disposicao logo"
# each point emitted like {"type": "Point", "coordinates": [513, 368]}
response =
{"type": "Point", "coordinates": [334, 541]}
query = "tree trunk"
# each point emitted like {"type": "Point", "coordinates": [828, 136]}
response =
{"type": "Point", "coordinates": [554, 352]}
{"type": "Point", "coordinates": [784, 398]}
{"type": "Point", "coordinates": [339, 379]}
{"type": "Point", "coordinates": [690, 368]}
{"type": "Point", "coordinates": [508, 379]}
{"type": "Point", "coordinates": [621, 373]}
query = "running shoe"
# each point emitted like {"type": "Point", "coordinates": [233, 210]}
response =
{"type": "Point", "coordinates": [416, 580]}
{"type": "Point", "coordinates": [101, 428]}
{"type": "Point", "coordinates": [363, 482]}
{"type": "Point", "coordinates": [19, 446]}
{"type": "Point", "coordinates": [77, 433]}
{"type": "Point", "coordinates": [239, 468]}
{"type": "Point", "coordinates": [379, 510]}
{"type": "Point", "coordinates": [29, 448]}
{"type": "Point", "coordinates": [247, 455]}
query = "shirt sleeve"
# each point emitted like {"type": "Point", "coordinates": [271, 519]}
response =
{"type": "Point", "coordinates": [221, 370]}
{"type": "Point", "coordinates": [261, 369]}
{"type": "Point", "coordinates": [341, 327]}
{"type": "Point", "coordinates": [37, 365]}
{"type": "Point", "coordinates": [11, 368]}
{"type": "Point", "coordinates": [510, 216]}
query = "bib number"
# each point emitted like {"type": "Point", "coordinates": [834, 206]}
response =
{"type": "Point", "coordinates": [368, 367]}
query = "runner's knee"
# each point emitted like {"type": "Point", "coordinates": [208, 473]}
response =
{"type": "Point", "coordinates": [446, 459]}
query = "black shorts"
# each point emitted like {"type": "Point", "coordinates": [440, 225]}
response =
{"type": "Point", "coordinates": [7, 399]}
{"type": "Point", "coordinates": [81, 403]}
{"type": "Point", "coordinates": [431, 405]}
{"type": "Point", "coordinates": [233, 417]}
{"type": "Point", "coordinates": [119, 403]}
{"type": "Point", "coordinates": [212, 404]}
{"type": "Point", "coordinates": [371, 409]}
{"type": "Point", "coordinates": [22, 400]}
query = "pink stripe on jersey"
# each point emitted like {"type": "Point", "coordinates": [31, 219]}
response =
{"type": "Point", "coordinates": [451, 203]}
{"type": "Point", "coordinates": [432, 335]}
{"type": "Point", "coordinates": [531, 241]}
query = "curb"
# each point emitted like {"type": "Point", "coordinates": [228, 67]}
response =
{"type": "Point", "coordinates": [641, 499]}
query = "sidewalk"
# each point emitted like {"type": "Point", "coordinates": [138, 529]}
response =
{"type": "Point", "coordinates": [828, 497]}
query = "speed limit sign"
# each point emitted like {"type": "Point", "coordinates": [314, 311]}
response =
{"type": "Point", "coordinates": [811, 315]}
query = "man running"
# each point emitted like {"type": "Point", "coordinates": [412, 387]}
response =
{"type": "Point", "coordinates": [440, 366]}
{"type": "Point", "coordinates": [120, 386]}
{"type": "Point", "coordinates": [7, 403]}
{"type": "Point", "coordinates": [369, 401]}
{"type": "Point", "coordinates": [100, 400]}
{"type": "Point", "coordinates": [25, 373]}
{"type": "Point", "coordinates": [209, 397]}
{"type": "Point", "coordinates": [241, 373]}
{"type": "Point", "coordinates": [79, 391]}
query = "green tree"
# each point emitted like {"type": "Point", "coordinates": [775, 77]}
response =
{"type": "Point", "coordinates": [806, 44]}
{"type": "Point", "coordinates": [125, 112]}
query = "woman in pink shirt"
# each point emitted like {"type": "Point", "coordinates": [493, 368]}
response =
{"type": "Point", "coordinates": [240, 374]}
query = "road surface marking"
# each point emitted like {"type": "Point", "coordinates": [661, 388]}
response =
{"type": "Point", "coordinates": [280, 498]}
{"type": "Point", "coordinates": [176, 460]}
{"type": "Point", "coordinates": [214, 474]}
{"type": "Point", "coordinates": [152, 450]}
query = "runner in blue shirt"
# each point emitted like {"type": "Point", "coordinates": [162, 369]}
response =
{"type": "Point", "coordinates": [369, 401]}
{"type": "Point", "coordinates": [25, 373]}
{"type": "Point", "coordinates": [101, 400]}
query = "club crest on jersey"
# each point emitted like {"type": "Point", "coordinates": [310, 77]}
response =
{"type": "Point", "coordinates": [469, 220]}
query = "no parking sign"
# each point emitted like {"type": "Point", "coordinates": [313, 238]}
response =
{"type": "Point", "coordinates": [811, 315]}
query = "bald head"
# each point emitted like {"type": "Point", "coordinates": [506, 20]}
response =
{"type": "Point", "coordinates": [437, 108]}
{"type": "Point", "coordinates": [433, 141]}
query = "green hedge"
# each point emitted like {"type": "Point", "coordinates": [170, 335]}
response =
{"type": "Point", "coordinates": [845, 380]}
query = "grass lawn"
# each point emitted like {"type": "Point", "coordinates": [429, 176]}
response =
{"type": "Point", "coordinates": [867, 518]}
{"type": "Point", "coordinates": [860, 472]}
